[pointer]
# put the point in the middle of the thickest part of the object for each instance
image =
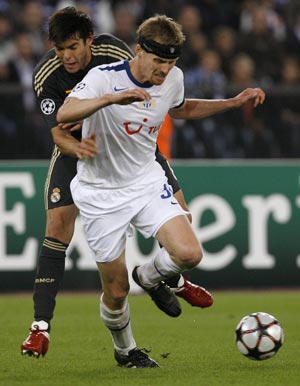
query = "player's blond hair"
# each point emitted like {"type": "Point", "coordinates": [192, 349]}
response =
{"type": "Point", "coordinates": [162, 29]}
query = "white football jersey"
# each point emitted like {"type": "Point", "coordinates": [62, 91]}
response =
{"type": "Point", "coordinates": [125, 134]}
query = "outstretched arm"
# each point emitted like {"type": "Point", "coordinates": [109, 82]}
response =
{"type": "Point", "coordinates": [75, 109]}
{"type": "Point", "coordinates": [202, 108]}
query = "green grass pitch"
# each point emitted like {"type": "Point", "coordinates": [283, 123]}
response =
{"type": "Point", "coordinates": [196, 349]}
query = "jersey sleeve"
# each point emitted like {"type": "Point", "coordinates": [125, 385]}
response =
{"type": "Point", "coordinates": [49, 103]}
{"type": "Point", "coordinates": [179, 88]}
{"type": "Point", "coordinates": [46, 87]}
{"type": "Point", "coordinates": [92, 85]}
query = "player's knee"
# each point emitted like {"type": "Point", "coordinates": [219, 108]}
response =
{"type": "Point", "coordinates": [191, 256]}
{"type": "Point", "coordinates": [118, 295]}
{"type": "Point", "coordinates": [58, 225]}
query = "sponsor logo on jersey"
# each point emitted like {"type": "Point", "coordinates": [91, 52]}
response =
{"type": "Point", "coordinates": [79, 86]}
{"type": "Point", "coordinates": [48, 106]}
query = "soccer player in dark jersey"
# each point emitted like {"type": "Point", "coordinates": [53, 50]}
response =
{"type": "Point", "coordinates": [76, 52]}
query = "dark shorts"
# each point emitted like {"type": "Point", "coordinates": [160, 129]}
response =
{"type": "Point", "coordinates": [62, 169]}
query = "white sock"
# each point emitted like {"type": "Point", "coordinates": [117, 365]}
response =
{"type": "Point", "coordinates": [118, 323]}
{"type": "Point", "coordinates": [40, 325]}
{"type": "Point", "coordinates": [180, 282]}
{"type": "Point", "coordinates": [158, 269]}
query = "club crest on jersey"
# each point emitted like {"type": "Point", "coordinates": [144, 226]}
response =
{"type": "Point", "coordinates": [79, 86]}
{"type": "Point", "coordinates": [55, 196]}
{"type": "Point", "coordinates": [147, 104]}
{"type": "Point", "coordinates": [47, 106]}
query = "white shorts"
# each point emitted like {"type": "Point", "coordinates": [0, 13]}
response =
{"type": "Point", "coordinates": [108, 213]}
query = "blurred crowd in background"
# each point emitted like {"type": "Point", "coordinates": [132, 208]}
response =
{"type": "Point", "coordinates": [230, 45]}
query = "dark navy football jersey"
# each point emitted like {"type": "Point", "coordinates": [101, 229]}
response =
{"type": "Point", "coordinates": [52, 82]}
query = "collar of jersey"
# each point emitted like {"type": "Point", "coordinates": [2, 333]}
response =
{"type": "Point", "coordinates": [132, 78]}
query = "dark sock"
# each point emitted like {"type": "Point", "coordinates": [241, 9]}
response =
{"type": "Point", "coordinates": [49, 275]}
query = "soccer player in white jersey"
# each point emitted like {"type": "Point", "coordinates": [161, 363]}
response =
{"type": "Point", "coordinates": [123, 105]}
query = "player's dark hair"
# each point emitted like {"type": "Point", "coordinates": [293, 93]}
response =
{"type": "Point", "coordinates": [68, 23]}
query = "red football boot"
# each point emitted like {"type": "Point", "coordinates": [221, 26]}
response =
{"type": "Point", "coordinates": [195, 295]}
{"type": "Point", "coordinates": [37, 341]}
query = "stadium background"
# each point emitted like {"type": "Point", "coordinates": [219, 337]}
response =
{"type": "Point", "coordinates": [239, 170]}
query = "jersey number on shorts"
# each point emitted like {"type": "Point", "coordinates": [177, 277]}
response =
{"type": "Point", "coordinates": [167, 191]}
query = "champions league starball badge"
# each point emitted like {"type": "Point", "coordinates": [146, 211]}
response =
{"type": "Point", "coordinates": [48, 106]}
{"type": "Point", "coordinates": [79, 86]}
{"type": "Point", "coordinates": [55, 196]}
